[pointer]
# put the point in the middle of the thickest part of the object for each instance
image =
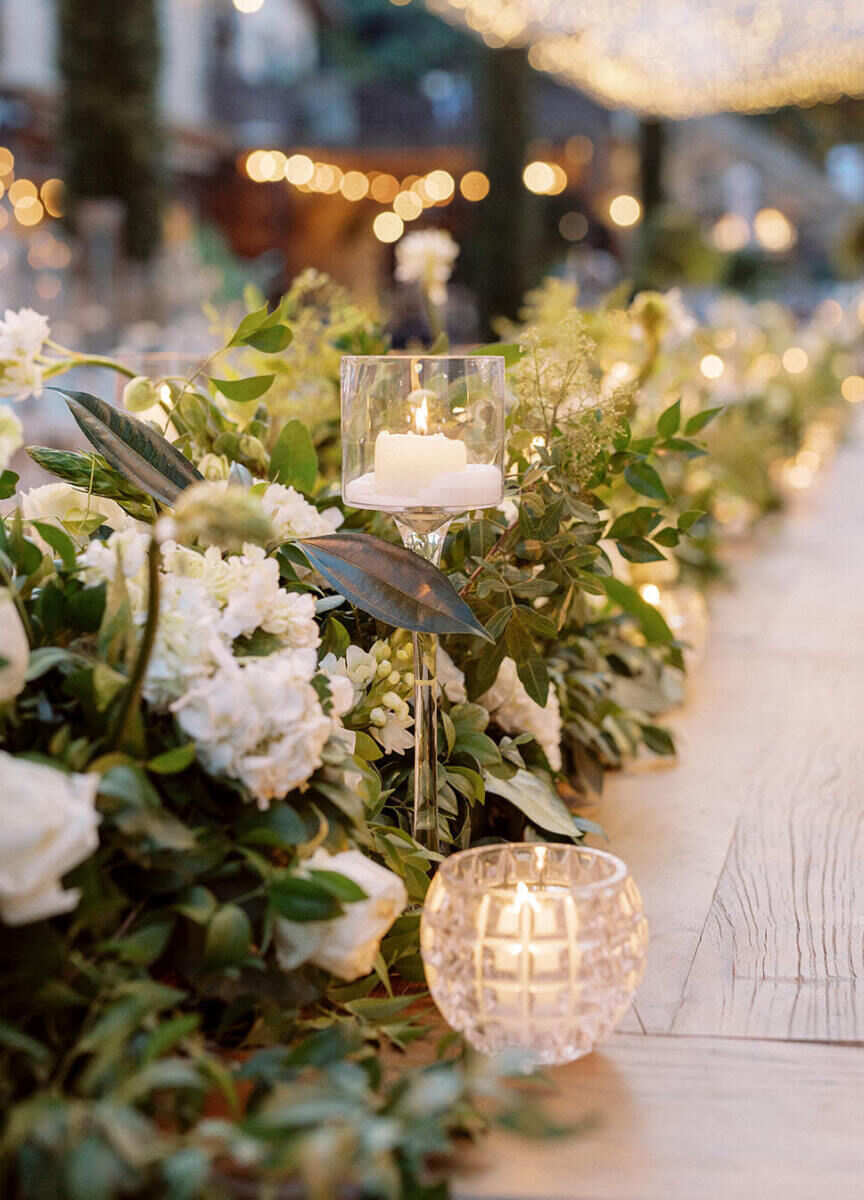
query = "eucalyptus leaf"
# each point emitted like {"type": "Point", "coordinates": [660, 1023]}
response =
{"type": "Point", "coordinates": [138, 452]}
{"type": "Point", "coordinates": [391, 583]}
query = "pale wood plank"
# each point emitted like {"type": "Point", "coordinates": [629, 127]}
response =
{"type": "Point", "coordinates": [679, 1118]}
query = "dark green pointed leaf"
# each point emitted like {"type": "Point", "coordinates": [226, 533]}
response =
{"type": "Point", "coordinates": [670, 420]}
{"type": "Point", "coordinates": [171, 762]}
{"type": "Point", "coordinates": [243, 391]}
{"type": "Point", "coordinates": [340, 886]}
{"type": "Point", "coordinates": [658, 739]}
{"type": "Point", "coordinates": [644, 479]}
{"type": "Point", "coordinates": [683, 446]}
{"type": "Point", "coordinates": [667, 537]}
{"type": "Point", "coordinates": [229, 936]}
{"type": "Point", "coordinates": [639, 550]}
{"type": "Point", "coordinates": [250, 324]}
{"type": "Point", "coordinates": [650, 619]}
{"type": "Point", "coordinates": [8, 481]}
{"type": "Point", "coordinates": [294, 460]}
{"type": "Point", "coordinates": [700, 420]}
{"type": "Point", "coordinates": [391, 583]}
{"type": "Point", "coordinates": [138, 452]}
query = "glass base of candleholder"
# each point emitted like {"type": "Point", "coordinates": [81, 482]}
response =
{"type": "Point", "coordinates": [424, 531]}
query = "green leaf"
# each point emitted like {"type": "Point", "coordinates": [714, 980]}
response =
{"type": "Point", "coordinates": [229, 936]}
{"type": "Point", "coordinates": [301, 899]}
{"type": "Point", "coordinates": [688, 519]}
{"type": "Point", "coordinates": [271, 339]}
{"type": "Point", "coordinates": [650, 619]}
{"type": "Point", "coordinates": [294, 460]}
{"type": "Point", "coordinates": [138, 452]}
{"type": "Point", "coordinates": [340, 886]}
{"type": "Point", "coordinates": [59, 541]}
{"type": "Point", "coordinates": [701, 419]}
{"type": "Point", "coordinates": [637, 549]}
{"type": "Point", "coordinates": [250, 324]}
{"type": "Point", "coordinates": [171, 762]}
{"type": "Point", "coordinates": [279, 826]}
{"type": "Point", "coordinates": [637, 523]}
{"type": "Point", "coordinates": [667, 537]}
{"type": "Point", "coordinates": [644, 479]}
{"type": "Point", "coordinates": [670, 420]}
{"type": "Point", "coordinates": [8, 482]}
{"type": "Point", "coordinates": [244, 391]}
{"type": "Point", "coordinates": [657, 739]}
{"type": "Point", "coordinates": [511, 352]}
{"type": "Point", "coordinates": [391, 583]}
{"type": "Point", "coordinates": [682, 446]}
{"type": "Point", "coordinates": [538, 800]}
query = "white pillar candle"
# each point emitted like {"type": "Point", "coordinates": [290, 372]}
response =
{"type": "Point", "coordinates": [406, 463]}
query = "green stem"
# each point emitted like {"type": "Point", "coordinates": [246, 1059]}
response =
{"type": "Point", "coordinates": [119, 733]}
{"type": "Point", "coordinates": [72, 358]}
{"type": "Point", "coordinates": [18, 602]}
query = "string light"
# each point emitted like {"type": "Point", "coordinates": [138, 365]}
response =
{"type": "Point", "coordinates": [795, 360]}
{"type": "Point", "coordinates": [774, 231]}
{"type": "Point", "coordinates": [474, 186]}
{"type": "Point", "coordinates": [712, 366]}
{"type": "Point", "coordinates": [852, 389]}
{"type": "Point", "coordinates": [625, 210]}
{"type": "Point", "coordinates": [684, 58]}
{"type": "Point", "coordinates": [388, 227]}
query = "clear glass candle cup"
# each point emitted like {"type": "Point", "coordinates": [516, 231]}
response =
{"type": "Point", "coordinates": [423, 433]}
{"type": "Point", "coordinates": [532, 947]}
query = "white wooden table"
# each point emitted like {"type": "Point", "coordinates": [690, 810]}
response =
{"type": "Point", "coordinates": [739, 1072]}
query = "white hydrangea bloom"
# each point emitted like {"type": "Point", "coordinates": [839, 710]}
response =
{"type": "Point", "coordinates": [292, 516]}
{"type": "Point", "coordinates": [22, 336]}
{"type": "Point", "coordinates": [129, 548]}
{"type": "Point", "coordinates": [259, 720]}
{"type": "Point", "coordinates": [11, 435]}
{"type": "Point", "coordinates": [188, 643]}
{"type": "Point", "coordinates": [513, 709]}
{"type": "Point", "coordinates": [426, 256]}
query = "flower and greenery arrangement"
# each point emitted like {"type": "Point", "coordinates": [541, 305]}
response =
{"type": "Point", "coordinates": [209, 890]}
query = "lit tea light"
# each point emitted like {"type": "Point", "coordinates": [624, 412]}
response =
{"type": "Point", "coordinates": [533, 947]}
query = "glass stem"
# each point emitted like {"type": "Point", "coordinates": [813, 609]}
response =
{"type": "Point", "coordinates": [428, 543]}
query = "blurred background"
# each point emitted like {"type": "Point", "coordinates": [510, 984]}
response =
{"type": "Point", "coordinates": [155, 155]}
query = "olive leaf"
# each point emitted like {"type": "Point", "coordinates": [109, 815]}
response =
{"type": "Point", "coordinates": [141, 454]}
{"type": "Point", "coordinates": [391, 583]}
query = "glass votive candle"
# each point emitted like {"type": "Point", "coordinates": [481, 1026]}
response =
{"type": "Point", "coordinates": [532, 947]}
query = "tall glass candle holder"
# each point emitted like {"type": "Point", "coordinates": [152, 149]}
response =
{"type": "Point", "coordinates": [423, 439]}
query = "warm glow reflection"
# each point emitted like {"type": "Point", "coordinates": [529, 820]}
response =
{"type": "Point", "coordinates": [711, 366]}
{"type": "Point", "coordinates": [29, 211]}
{"type": "Point", "coordinates": [440, 185]}
{"type": "Point", "coordinates": [625, 210]}
{"type": "Point", "coordinates": [248, 6]}
{"type": "Point", "coordinates": [650, 593]}
{"type": "Point", "coordinates": [408, 206]}
{"type": "Point", "coordinates": [7, 160]}
{"type": "Point", "coordinates": [53, 195]}
{"type": "Point", "coordinates": [354, 185]}
{"type": "Point", "coordinates": [384, 189]}
{"type": "Point", "coordinates": [421, 416]}
{"type": "Point", "coordinates": [299, 169]}
{"type": "Point", "coordinates": [22, 189]}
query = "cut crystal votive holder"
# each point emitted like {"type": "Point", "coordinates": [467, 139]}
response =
{"type": "Point", "coordinates": [533, 947]}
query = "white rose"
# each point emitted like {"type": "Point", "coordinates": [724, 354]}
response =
{"type": "Point", "coordinates": [11, 435]}
{"type": "Point", "coordinates": [48, 826]}
{"type": "Point", "coordinates": [347, 945]}
{"type": "Point", "coordinates": [450, 679]}
{"type": "Point", "coordinates": [22, 333]}
{"type": "Point", "coordinates": [78, 512]}
{"type": "Point", "coordinates": [14, 649]}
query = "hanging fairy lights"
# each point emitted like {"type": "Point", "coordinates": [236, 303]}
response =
{"type": "Point", "coordinates": [680, 58]}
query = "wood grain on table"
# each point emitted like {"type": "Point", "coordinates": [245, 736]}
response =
{"type": "Point", "coordinates": [739, 1072]}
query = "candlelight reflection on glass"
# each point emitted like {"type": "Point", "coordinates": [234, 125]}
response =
{"type": "Point", "coordinates": [533, 947]}
{"type": "Point", "coordinates": [423, 439]}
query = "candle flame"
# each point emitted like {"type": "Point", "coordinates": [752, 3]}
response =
{"type": "Point", "coordinates": [421, 417]}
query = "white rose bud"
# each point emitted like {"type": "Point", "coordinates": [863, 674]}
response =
{"type": "Point", "coordinates": [214, 467]}
{"type": "Point", "coordinates": [14, 649]}
{"type": "Point", "coordinates": [347, 945]}
{"type": "Point", "coordinates": [140, 393]}
{"type": "Point", "coordinates": [48, 826]}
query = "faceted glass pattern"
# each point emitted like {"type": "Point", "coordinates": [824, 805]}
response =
{"type": "Point", "coordinates": [535, 947]}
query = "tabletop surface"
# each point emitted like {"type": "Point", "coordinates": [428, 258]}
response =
{"type": "Point", "coordinates": [739, 1072]}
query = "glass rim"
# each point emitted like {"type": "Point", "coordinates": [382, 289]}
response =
{"type": "Point", "coordinates": [408, 357]}
{"type": "Point", "coordinates": [620, 870]}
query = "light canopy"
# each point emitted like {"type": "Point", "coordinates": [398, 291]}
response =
{"type": "Point", "coordinates": [681, 58]}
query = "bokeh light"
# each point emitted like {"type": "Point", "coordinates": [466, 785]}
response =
{"type": "Point", "coordinates": [53, 196]}
{"type": "Point", "coordinates": [712, 366]}
{"type": "Point", "coordinates": [408, 206]}
{"type": "Point", "coordinates": [573, 226]}
{"type": "Point", "coordinates": [248, 6]}
{"type": "Point", "coordinates": [852, 389]}
{"type": "Point", "coordinates": [795, 360]}
{"type": "Point", "coordinates": [625, 210]}
{"type": "Point", "coordinates": [731, 233]}
{"type": "Point", "coordinates": [774, 231]}
{"type": "Point", "coordinates": [388, 227]}
{"type": "Point", "coordinates": [384, 188]}
{"type": "Point", "coordinates": [538, 177]}
{"type": "Point", "coordinates": [474, 186]}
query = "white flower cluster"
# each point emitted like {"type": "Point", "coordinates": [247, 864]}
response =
{"type": "Point", "coordinates": [292, 516]}
{"type": "Point", "coordinates": [512, 708]}
{"type": "Point", "coordinates": [427, 257]}
{"type": "Point", "coordinates": [11, 435]}
{"type": "Point", "coordinates": [22, 336]}
{"type": "Point", "coordinates": [256, 719]}
{"type": "Point", "coordinates": [260, 720]}
{"type": "Point", "coordinates": [381, 680]}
